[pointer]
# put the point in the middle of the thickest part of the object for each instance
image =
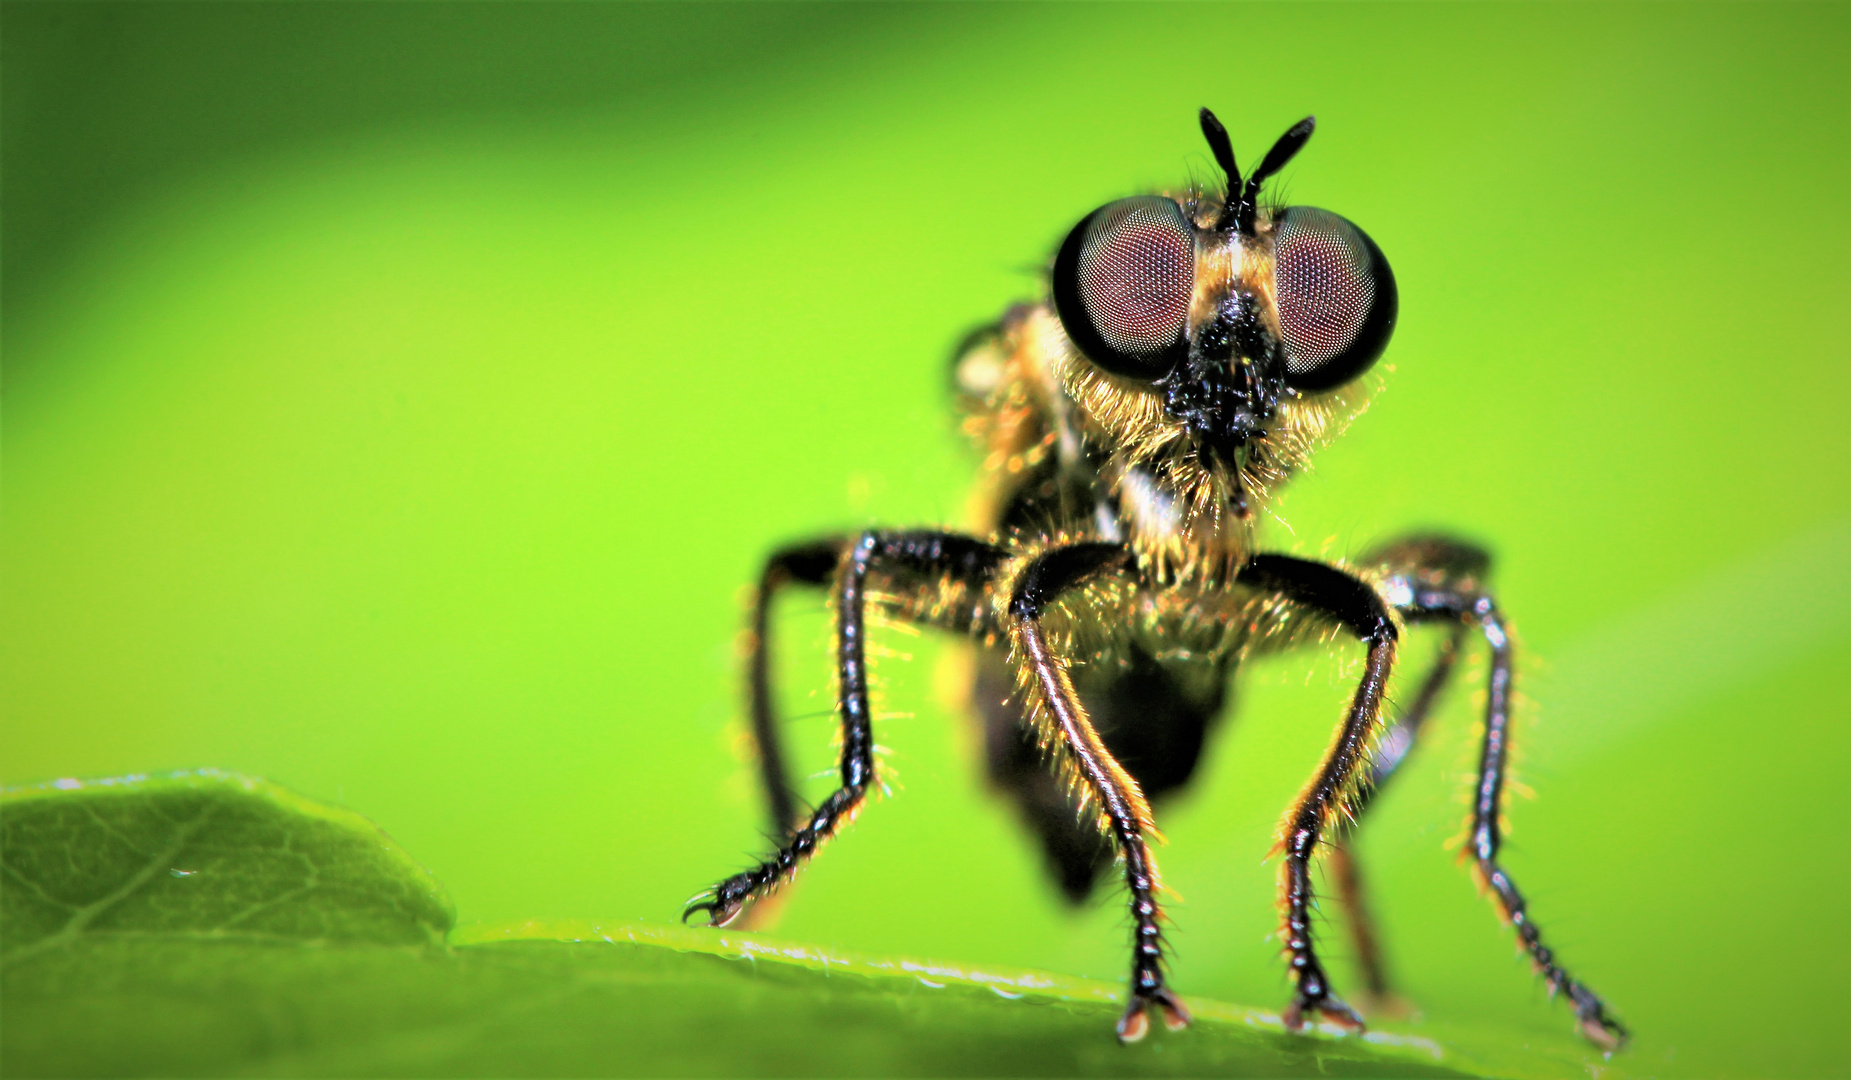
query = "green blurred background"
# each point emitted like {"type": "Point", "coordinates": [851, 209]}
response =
{"type": "Point", "coordinates": [397, 398]}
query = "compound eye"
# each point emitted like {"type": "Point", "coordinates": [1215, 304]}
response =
{"type": "Point", "coordinates": [1122, 284]}
{"type": "Point", "coordinates": [1337, 299]}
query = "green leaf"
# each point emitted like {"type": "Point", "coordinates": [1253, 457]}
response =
{"type": "Point", "coordinates": [207, 923]}
{"type": "Point", "coordinates": [203, 855]}
{"type": "Point", "coordinates": [153, 924]}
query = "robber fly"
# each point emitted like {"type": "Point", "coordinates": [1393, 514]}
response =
{"type": "Point", "coordinates": [1194, 350]}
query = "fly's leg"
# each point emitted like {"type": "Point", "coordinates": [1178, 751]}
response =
{"type": "Point", "coordinates": [1127, 815]}
{"type": "Point", "coordinates": [929, 555]}
{"type": "Point", "coordinates": [1404, 566]}
{"type": "Point", "coordinates": [811, 563]}
{"type": "Point", "coordinates": [1487, 801]}
{"type": "Point", "coordinates": [1360, 609]}
{"type": "Point", "coordinates": [1398, 737]}
{"type": "Point", "coordinates": [1434, 579]}
{"type": "Point", "coordinates": [1391, 751]}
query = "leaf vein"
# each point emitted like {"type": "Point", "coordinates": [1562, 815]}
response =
{"type": "Point", "coordinates": [83, 916]}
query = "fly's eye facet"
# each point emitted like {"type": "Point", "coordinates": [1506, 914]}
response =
{"type": "Point", "coordinates": [1337, 299]}
{"type": "Point", "coordinates": [1122, 284]}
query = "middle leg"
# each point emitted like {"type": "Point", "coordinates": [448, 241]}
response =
{"type": "Point", "coordinates": [1597, 1024]}
{"type": "Point", "coordinates": [929, 555]}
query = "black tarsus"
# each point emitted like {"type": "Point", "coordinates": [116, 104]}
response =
{"type": "Point", "coordinates": [813, 563]}
{"type": "Point", "coordinates": [930, 554]}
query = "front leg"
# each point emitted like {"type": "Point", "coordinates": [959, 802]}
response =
{"type": "Point", "coordinates": [934, 556]}
{"type": "Point", "coordinates": [1358, 607]}
{"type": "Point", "coordinates": [1127, 815]}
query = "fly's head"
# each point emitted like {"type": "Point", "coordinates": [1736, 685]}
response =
{"type": "Point", "coordinates": [1214, 339]}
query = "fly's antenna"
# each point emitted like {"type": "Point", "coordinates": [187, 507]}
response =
{"type": "Point", "coordinates": [1217, 137]}
{"type": "Point", "coordinates": [1283, 151]}
{"type": "Point", "coordinates": [1242, 204]}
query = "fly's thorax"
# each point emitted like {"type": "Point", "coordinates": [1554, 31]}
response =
{"type": "Point", "coordinates": [1177, 538]}
{"type": "Point", "coordinates": [1036, 473]}
{"type": "Point", "coordinates": [1197, 620]}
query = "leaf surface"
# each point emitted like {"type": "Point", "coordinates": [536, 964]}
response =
{"type": "Point", "coordinates": [205, 855]}
{"type": "Point", "coordinates": [204, 923]}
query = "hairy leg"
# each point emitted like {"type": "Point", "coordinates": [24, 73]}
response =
{"type": "Point", "coordinates": [1126, 815]}
{"type": "Point", "coordinates": [810, 563]}
{"type": "Point", "coordinates": [1391, 751]}
{"type": "Point", "coordinates": [1153, 721]}
{"type": "Point", "coordinates": [1402, 566]}
{"type": "Point", "coordinates": [1487, 803]}
{"type": "Point", "coordinates": [1436, 579]}
{"type": "Point", "coordinates": [931, 556]}
{"type": "Point", "coordinates": [1360, 609]}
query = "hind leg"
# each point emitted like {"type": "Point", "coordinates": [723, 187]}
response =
{"type": "Point", "coordinates": [1431, 579]}
{"type": "Point", "coordinates": [925, 560]}
{"type": "Point", "coordinates": [1400, 566]}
